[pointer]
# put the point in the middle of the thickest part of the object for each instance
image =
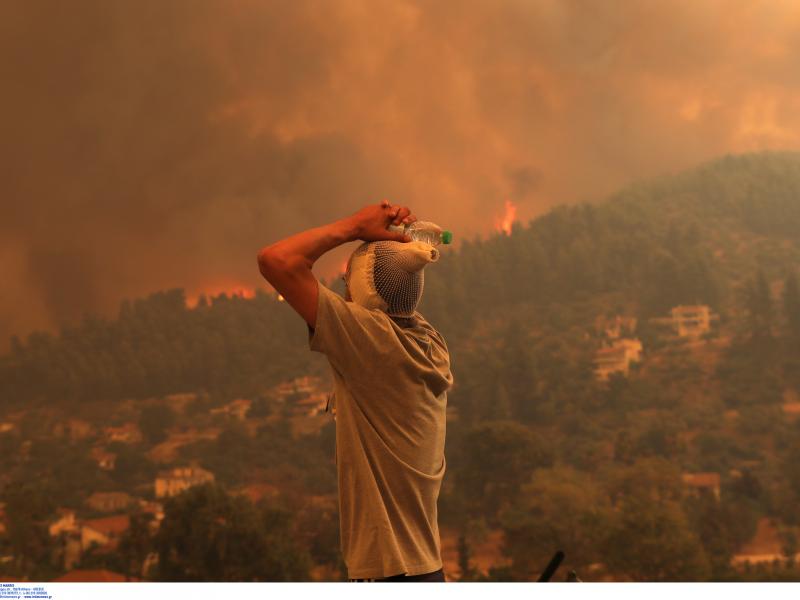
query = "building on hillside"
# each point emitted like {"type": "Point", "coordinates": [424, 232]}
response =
{"type": "Point", "coordinates": [65, 522]}
{"type": "Point", "coordinates": [305, 384]}
{"type": "Point", "coordinates": [700, 483]}
{"type": "Point", "coordinates": [173, 482]}
{"type": "Point", "coordinates": [258, 491]}
{"type": "Point", "coordinates": [109, 501]}
{"type": "Point", "coordinates": [166, 451]}
{"type": "Point", "coordinates": [310, 406]}
{"type": "Point", "coordinates": [93, 575]}
{"type": "Point", "coordinates": [691, 321]}
{"type": "Point", "coordinates": [283, 389]}
{"type": "Point", "coordinates": [300, 386]}
{"type": "Point", "coordinates": [617, 358]}
{"type": "Point", "coordinates": [633, 348]}
{"type": "Point", "coordinates": [105, 531]}
{"type": "Point", "coordinates": [766, 547]}
{"type": "Point", "coordinates": [156, 510]}
{"type": "Point", "coordinates": [237, 408]}
{"type": "Point", "coordinates": [179, 402]}
{"type": "Point", "coordinates": [611, 360]}
{"type": "Point", "coordinates": [74, 429]}
{"type": "Point", "coordinates": [105, 460]}
{"type": "Point", "coordinates": [150, 506]}
{"type": "Point", "coordinates": [616, 327]}
{"type": "Point", "coordinates": [128, 433]}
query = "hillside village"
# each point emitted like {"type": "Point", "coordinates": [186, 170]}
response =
{"type": "Point", "coordinates": [100, 522]}
{"type": "Point", "coordinates": [98, 525]}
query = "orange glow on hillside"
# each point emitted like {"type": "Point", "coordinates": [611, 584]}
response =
{"type": "Point", "coordinates": [505, 222]}
{"type": "Point", "coordinates": [228, 288]}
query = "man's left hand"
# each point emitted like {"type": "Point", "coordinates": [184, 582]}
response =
{"type": "Point", "coordinates": [371, 222]}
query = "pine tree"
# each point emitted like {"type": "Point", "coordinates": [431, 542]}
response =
{"type": "Point", "coordinates": [136, 544]}
{"type": "Point", "coordinates": [791, 305]}
{"type": "Point", "coordinates": [759, 307]}
{"type": "Point", "coordinates": [464, 555]}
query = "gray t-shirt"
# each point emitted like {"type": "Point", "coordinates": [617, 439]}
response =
{"type": "Point", "coordinates": [391, 397]}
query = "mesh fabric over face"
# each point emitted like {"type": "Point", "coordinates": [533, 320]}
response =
{"type": "Point", "coordinates": [399, 288]}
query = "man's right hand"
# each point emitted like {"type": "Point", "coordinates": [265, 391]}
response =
{"type": "Point", "coordinates": [371, 222]}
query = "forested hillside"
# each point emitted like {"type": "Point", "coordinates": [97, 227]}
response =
{"type": "Point", "coordinates": [691, 238]}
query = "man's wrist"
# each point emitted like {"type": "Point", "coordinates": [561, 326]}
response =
{"type": "Point", "coordinates": [348, 230]}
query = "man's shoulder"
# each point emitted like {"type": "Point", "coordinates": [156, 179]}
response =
{"type": "Point", "coordinates": [358, 313]}
{"type": "Point", "coordinates": [422, 325]}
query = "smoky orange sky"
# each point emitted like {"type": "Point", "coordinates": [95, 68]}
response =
{"type": "Point", "coordinates": [157, 144]}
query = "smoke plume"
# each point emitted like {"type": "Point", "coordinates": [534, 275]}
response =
{"type": "Point", "coordinates": [160, 144]}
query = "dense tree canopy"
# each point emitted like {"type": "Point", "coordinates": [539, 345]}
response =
{"type": "Point", "coordinates": [208, 535]}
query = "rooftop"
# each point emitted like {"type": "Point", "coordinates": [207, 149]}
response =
{"type": "Point", "coordinates": [113, 525]}
{"type": "Point", "coordinates": [701, 479]}
{"type": "Point", "coordinates": [101, 575]}
{"type": "Point", "coordinates": [693, 308]}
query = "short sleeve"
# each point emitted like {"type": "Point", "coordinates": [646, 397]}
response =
{"type": "Point", "coordinates": [347, 333]}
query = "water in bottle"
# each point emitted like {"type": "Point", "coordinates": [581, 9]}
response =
{"type": "Point", "coordinates": [424, 231]}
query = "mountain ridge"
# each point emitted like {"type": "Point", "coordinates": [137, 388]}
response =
{"type": "Point", "coordinates": [681, 239]}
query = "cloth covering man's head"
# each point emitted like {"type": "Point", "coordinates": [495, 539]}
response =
{"type": "Point", "coordinates": [388, 275]}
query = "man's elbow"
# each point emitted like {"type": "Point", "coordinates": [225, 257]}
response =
{"type": "Point", "coordinates": [271, 262]}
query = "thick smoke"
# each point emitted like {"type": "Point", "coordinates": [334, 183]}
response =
{"type": "Point", "coordinates": [158, 144]}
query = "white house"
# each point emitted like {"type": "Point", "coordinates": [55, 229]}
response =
{"type": "Point", "coordinates": [65, 522]}
{"type": "Point", "coordinates": [173, 482]}
{"type": "Point", "coordinates": [691, 321]}
{"type": "Point", "coordinates": [617, 358]}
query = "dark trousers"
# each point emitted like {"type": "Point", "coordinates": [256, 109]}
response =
{"type": "Point", "coordinates": [436, 576]}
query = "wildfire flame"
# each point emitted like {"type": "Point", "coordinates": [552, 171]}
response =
{"type": "Point", "coordinates": [228, 288]}
{"type": "Point", "coordinates": [505, 222]}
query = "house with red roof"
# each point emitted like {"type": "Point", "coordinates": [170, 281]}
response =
{"type": "Point", "coordinates": [97, 575]}
{"type": "Point", "coordinates": [128, 433]}
{"type": "Point", "coordinates": [105, 531]}
{"type": "Point", "coordinates": [109, 501]}
{"type": "Point", "coordinates": [698, 483]}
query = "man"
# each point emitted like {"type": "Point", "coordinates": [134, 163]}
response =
{"type": "Point", "coordinates": [391, 372]}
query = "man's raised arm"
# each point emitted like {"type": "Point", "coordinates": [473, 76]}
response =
{"type": "Point", "coordinates": [287, 264]}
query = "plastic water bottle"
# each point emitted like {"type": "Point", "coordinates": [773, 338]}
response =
{"type": "Point", "coordinates": [424, 231]}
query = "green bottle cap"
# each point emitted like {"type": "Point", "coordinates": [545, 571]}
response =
{"type": "Point", "coordinates": [447, 237]}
